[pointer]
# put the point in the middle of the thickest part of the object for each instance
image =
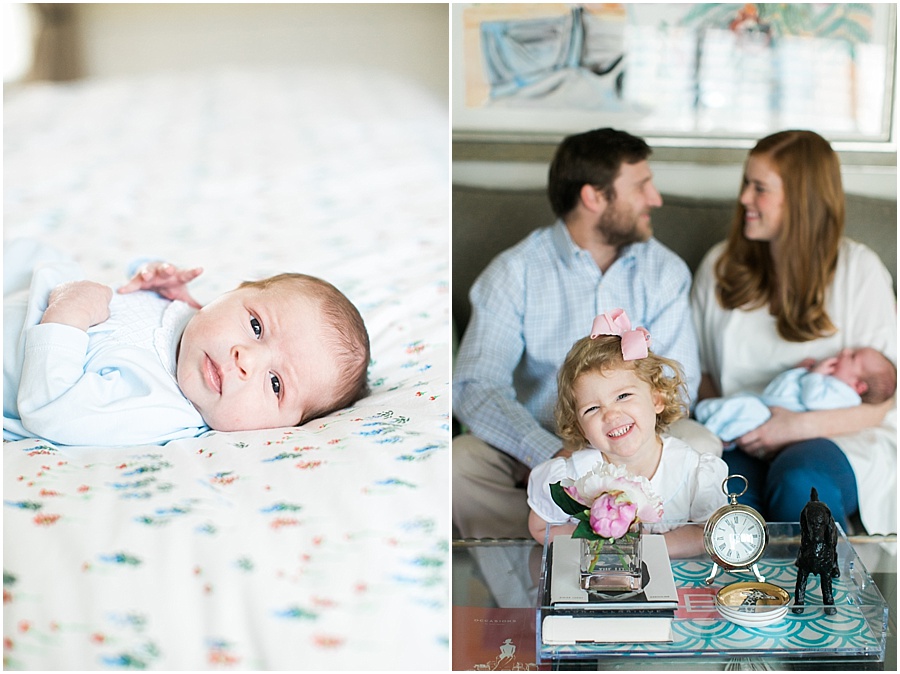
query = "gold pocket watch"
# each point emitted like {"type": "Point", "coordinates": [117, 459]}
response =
{"type": "Point", "coordinates": [735, 536]}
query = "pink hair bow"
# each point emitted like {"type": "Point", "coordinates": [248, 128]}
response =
{"type": "Point", "coordinates": [634, 342]}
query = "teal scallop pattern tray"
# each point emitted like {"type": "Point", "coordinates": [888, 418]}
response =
{"type": "Point", "coordinates": [858, 628]}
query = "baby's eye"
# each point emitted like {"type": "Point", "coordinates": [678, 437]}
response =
{"type": "Point", "coordinates": [256, 326]}
{"type": "Point", "coordinates": [589, 410]}
{"type": "Point", "coordinates": [623, 396]}
{"type": "Point", "coordinates": [276, 384]}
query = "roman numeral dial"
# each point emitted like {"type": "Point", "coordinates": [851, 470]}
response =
{"type": "Point", "coordinates": [735, 536]}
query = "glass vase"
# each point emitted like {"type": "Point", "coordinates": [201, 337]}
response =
{"type": "Point", "coordinates": [612, 564]}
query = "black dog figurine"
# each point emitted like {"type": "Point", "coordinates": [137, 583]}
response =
{"type": "Point", "coordinates": [818, 552]}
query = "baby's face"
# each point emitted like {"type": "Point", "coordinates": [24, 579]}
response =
{"type": "Point", "coordinates": [852, 364]}
{"type": "Point", "coordinates": [256, 358]}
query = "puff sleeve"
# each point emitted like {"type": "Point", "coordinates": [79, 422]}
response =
{"type": "Point", "coordinates": [554, 470]}
{"type": "Point", "coordinates": [539, 499]}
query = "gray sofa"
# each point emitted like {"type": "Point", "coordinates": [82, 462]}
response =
{"type": "Point", "coordinates": [487, 221]}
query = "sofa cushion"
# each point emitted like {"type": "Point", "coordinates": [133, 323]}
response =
{"type": "Point", "coordinates": [488, 221]}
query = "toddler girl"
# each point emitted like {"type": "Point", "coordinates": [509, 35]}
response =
{"type": "Point", "coordinates": [615, 400]}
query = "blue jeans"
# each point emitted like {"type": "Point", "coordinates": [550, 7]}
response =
{"type": "Point", "coordinates": [780, 488]}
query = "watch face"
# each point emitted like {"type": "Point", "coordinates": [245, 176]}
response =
{"type": "Point", "coordinates": [736, 539]}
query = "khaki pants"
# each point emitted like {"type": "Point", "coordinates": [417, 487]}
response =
{"type": "Point", "coordinates": [490, 498]}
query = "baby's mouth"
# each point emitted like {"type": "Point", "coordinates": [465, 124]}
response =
{"type": "Point", "coordinates": [620, 431]}
{"type": "Point", "coordinates": [212, 375]}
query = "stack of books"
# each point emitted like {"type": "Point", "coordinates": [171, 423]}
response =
{"type": "Point", "coordinates": [573, 615]}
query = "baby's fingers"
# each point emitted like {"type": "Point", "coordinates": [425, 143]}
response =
{"type": "Point", "coordinates": [131, 286]}
{"type": "Point", "coordinates": [165, 275]}
{"type": "Point", "coordinates": [159, 275]}
{"type": "Point", "coordinates": [188, 275]}
{"type": "Point", "coordinates": [826, 366]}
{"type": "Point", "coordinates": [142, 278]}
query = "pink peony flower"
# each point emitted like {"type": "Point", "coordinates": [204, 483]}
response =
{"type": "Point", "coordinates": [612, 516]}
{"type": "Point", "coordinates": [615, 497]}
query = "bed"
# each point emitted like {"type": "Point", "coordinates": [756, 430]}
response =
{"type": "Point", "coordinates": [318, 547]}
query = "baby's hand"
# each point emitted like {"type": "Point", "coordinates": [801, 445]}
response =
{"type": "Point", "coordinates": [807, 363]}
{"type": "Point", "coordinates": [825, 366]}
{"type": "Point", "coordinates": [167, 281]}
{"type": "Point", "coordinates": [80, 304]}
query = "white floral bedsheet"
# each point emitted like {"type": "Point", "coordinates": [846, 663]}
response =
{"type": "Point", "coordinates": [318, 547]}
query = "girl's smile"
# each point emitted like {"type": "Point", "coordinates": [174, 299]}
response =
{"type": "Point", "coordinates": [618, 433]}
{"type": "Point", "coordinates": [617, 414]}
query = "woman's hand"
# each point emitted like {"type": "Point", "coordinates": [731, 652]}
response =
{"type": "Point", "coordinates": [782, 428]}
{"type": "Point", "coordinates": [80, 304]}
{"type": "Point", "coordinates": [786, 427]}
{"type": "Point", "coordinates": [166, 280]}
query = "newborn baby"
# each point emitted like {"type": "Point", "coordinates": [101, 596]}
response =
{"type": "Point", "coordinates": [853, 376]}
{"type": "Point", "coordinates": [85, 366]}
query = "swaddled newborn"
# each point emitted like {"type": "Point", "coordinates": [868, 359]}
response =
{"type": "Point", "coordinates": [84, 365]}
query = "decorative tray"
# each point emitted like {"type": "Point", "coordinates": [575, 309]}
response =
{"type": "Point", "coordinates": [856, 631]}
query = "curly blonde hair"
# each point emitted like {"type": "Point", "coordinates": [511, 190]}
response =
{"type": "Point", "coordinates": [604, 354]}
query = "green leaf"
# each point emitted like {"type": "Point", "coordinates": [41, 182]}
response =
{"type": "Point", "coordinates": [583, 516]}
{"type": "Point", "coordinates": [583, 530]}
{"type": "Point", "coordinates": [569, 505]}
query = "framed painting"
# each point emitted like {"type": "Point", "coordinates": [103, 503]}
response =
{"type": "Point", "coordinates": [699, 74]}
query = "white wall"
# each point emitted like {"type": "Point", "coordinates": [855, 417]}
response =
{"type": "Point", "coordinates": [121, 39]}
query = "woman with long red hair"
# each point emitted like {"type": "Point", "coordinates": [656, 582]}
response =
{"type": "Point", "coordinates": [785, 286]}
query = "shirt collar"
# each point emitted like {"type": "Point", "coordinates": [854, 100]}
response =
{"type": "Point", "coordinates": [566, 249]}
{"type": "Point", "coordinates": [168, 335]}
{"type": "Point", "coordinates": [569, 251]}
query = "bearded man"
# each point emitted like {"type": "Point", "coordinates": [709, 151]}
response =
{"type": "Point", "coordinates": [536, 299]}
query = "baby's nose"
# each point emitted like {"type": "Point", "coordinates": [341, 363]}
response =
{"type": "Point", "coordinates": [244, 361]}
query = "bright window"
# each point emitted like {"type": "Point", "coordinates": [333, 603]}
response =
{"type": "Point", "coordinates": [16, 41]}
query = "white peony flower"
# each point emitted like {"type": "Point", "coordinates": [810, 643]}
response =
{"type": "Point", "coordinates": [618, 483]}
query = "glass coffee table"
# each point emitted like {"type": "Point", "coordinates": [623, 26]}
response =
{"type": "Point", "coordinates": [496, 621]}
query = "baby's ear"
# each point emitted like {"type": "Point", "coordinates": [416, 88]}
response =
{"type": "Point", "coordinates": [861, 387]}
